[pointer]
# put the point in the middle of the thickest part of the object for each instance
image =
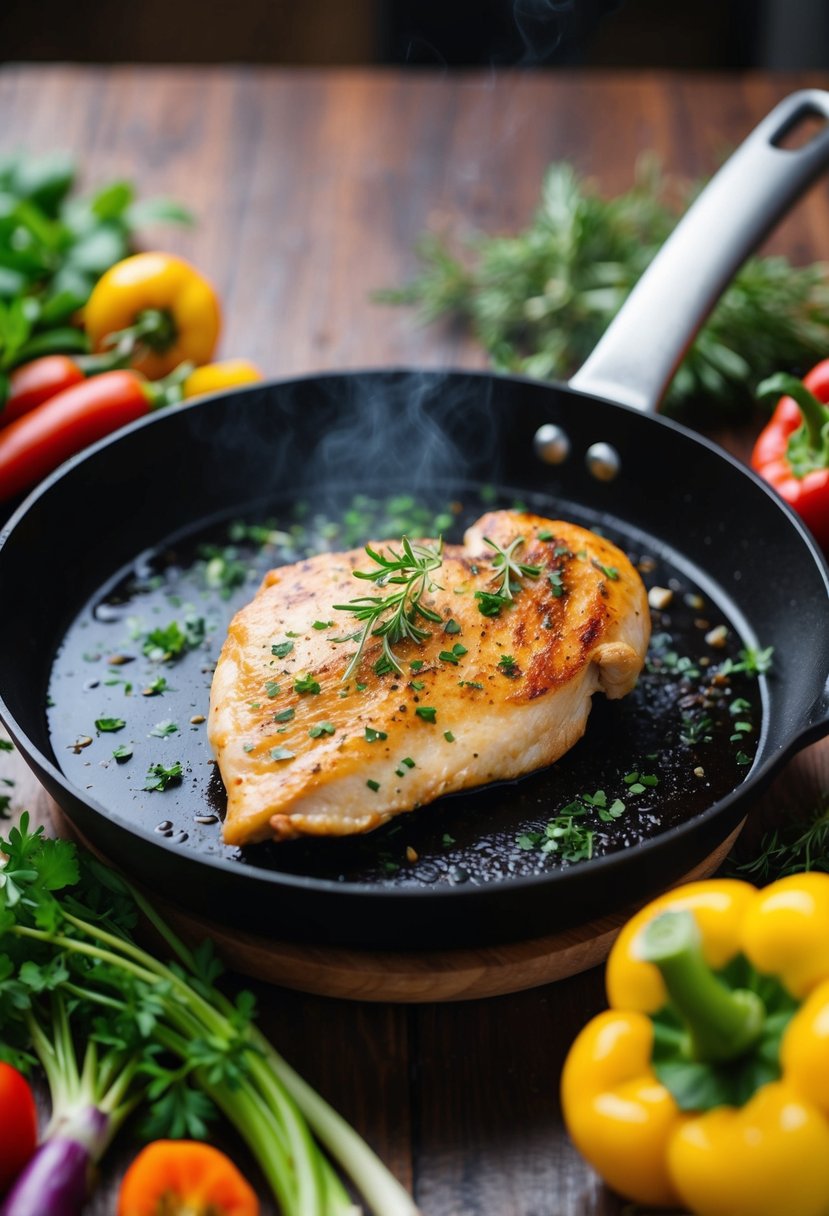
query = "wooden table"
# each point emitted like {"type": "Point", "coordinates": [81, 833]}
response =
{"type": "Point", "coordinates": [311, 189]}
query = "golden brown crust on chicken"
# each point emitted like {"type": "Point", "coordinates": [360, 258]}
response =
{"type": "Point", "coordinates": [303, 752]}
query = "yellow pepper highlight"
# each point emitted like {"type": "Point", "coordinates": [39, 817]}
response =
{"type": "Point", "coordinates": [764, 1020]}
{"type": "Point", "coordinates": [156, 308]}
{"type": "Point", "coordinates": [214, 377]}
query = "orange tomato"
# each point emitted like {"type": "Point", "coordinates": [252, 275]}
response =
{"type": "Point", "coordinates": [187, 1177]}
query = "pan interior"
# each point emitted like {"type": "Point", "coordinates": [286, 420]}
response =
{"type": "Point", "coordinates": [123, 720]}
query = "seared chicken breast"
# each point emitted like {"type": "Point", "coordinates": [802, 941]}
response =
{"type": "Point", "coordinates": [523, 623]}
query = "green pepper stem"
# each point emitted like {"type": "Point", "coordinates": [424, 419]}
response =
{"type": "Point", "coordinates": [722, 1022]}
{"type": "Point", "coordinates": [808, 446]}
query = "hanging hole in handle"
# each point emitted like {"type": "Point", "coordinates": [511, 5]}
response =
{"type": "Point", "coordinates": [801, 129]}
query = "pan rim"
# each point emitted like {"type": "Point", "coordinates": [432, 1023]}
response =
{"type": "Point", "coordinates": [755, 779]}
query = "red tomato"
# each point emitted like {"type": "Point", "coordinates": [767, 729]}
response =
{"type": "Point", "coordinates": [18, 1124]}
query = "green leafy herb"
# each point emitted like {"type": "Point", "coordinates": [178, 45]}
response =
{"type": "Point", "coordinates": [373, 785]}
{"type": "Point", "coordinates": [166, 644]}
{"type": "Point", "coordinates": [408, 761]}
{"type": "Point", "coordinates": [752, 661]}
{"type": "Point", "coordinates": [506, 573]}
{"type": "Point", "coordinates": [117, 1028]}
{"type": "Point", "coordinates": [427, 712]}
{"type": "Point", "coordinates": [322, 625]}
{"type": "Point", "coordinates": [162, 730]}
{"type": "Point", "coordinates": [122, 753]}
{"type": "Point", "coordinates": [454, 655]}
{"type": "Point", "coordinates": [272, 689]}
{"type": "Point", "coordinates": [372, 735]}
{"type": "Point", "coordinates": [394, 617]}
{"type": "Point", "coordinates": [306, 684]}
{"type": "Point", "coordinates": [448, 736]}
{"type": "Point", "coordinates": [284, 715]}
{"type": "Point", "coordinates": [539, 301]}
{"type": "Point", "coordinates": [282, 649]}
{"type": "Point", "coordinates": [451, 626]}
{"type": "Point", "coordinates": [109, 724]}
{"type": "Point", "coordinates": [508, 666]}
{"type": "Point", "coordinates": [281, 753]}
{"type": "Point", "coordinates": [608, 571]}
{"type": "Point", "coordinates": [161, 778]}
{"type": "Point", "coordinates": [321, 728]}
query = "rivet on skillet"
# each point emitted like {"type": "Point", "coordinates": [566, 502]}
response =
{"type": "Point", "coordinates": [603, 461]}
{"type": "Point", "coordinates": [551, 444]}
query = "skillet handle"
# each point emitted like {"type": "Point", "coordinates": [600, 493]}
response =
{"type": "Point", "coordinates": [642, 347]}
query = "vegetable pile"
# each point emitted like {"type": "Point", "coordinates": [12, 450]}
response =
{"type": "Point", "coordinates": [539, 301]}
{"type": "Point", "coordinates": [116, 1030]}
{"type": "Point", "coordinates": [704, 1084]}
{"type": "Point", "coordinates": [88, 328]}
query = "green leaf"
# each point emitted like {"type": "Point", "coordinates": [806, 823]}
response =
{"type": "Point", "coordinates": [51, 342]}
{"type": "Point", "coordinates": [112, 201]}
{"type": "Point", "coordinates": [158, 211]}
{"type": "Point", "coordinates": [97, 251]}
{"type": "Point", "coordinates": [46, 180]}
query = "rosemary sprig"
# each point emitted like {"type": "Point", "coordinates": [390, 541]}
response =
{"type": "Point", "coordinates": [539, 300]}
{"type": "Point", "coordinates": [802, 845]}
{"type": "Point", "coordinates": [505, 568]}
{"type": "Point", "coordinates": [410, 571]}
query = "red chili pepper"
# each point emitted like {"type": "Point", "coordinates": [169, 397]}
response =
{"type": "Point", "coordinates": [33, 383]}
{"type": "Point", "coordinates": [792, 451]}
{"type": "Point", "coordinates": [65, 424]}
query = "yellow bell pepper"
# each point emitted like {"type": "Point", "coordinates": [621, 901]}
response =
{"type": "Point", "coordinates": [706, 1084]}
{"type": "Point", "coordinates": [214, 377]}
{"type": "Point", "coordinates": [155, 311]}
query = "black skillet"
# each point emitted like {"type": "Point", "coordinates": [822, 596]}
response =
{"type": "Point", "coordinates": [116, 534]}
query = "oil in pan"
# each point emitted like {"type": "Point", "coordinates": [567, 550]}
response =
{"type": "Point", "coordinates": [130, 685]}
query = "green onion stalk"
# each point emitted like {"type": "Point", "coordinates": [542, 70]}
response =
{"type": "Point", "coordinates": [157, 1035]}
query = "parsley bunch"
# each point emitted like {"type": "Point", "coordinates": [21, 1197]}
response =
{"type": "Point", "coordinates": [115, 1028]}
{"type": "Point", "coordinates": [540, 300]}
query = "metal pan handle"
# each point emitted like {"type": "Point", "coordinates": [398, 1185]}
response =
{"type": "Point", "coordinates": [642, 347]}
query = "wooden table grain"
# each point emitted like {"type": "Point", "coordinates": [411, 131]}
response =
{"type": "Point", "coordinates": [311, 189]}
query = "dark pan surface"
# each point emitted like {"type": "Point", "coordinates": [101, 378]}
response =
{"type": "Point", "coordinates": [688, 729]}
{"type": "Point", "coordinates": [187, 475]}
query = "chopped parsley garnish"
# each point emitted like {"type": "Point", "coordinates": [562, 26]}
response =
{"type": "Point", "coordinates": [454, 655]}
{"type": "Point", "coordinates": [608, 571]}
{"type": "Point", "coordinates": [489, 603]}
{"type": "Point", "coordinates": [109, 724]}
{"type": "Point", "coordinates": [427, 712]}
{"type": "Point", "coordinates": [161, 778]}
{"type": "Point", "coordinates": [470, 684]}
{"type": "Point", "coordinates": [122, 753]}
{"type": "Point", "coordinates": [752, 661]}
{"type": "Point", "coordinates": [165, 644]}
{"type": "Point", "coordinates": [448, 736]}
{"type": "Point", "coordinates": [637, 783]}
{"type": "Point", "coordinates": [373, 785]}
{"type": "Point", "coordinates": [306, 684]}
{"type": "Point", "coordinates": [322, 625]}
{"type": "Point", "coordinates": [282, 649]}
{"type": "Point", "coordinates": [162, 729]}
{"type": "Point", "coordinates": [281, 753]}
{"type": "Point", "coordinates": [284, 715]}
{"type": "Point", "coordinates": [415, 664]}
{"type": "Point", "coordinates": [156, 687]}
{"type": "Point", "coordinates": [321, 728]}
{"type": "Point", "coordinates": [372, 735]}
{"type": "Point", "coordinates": [556, 580]}
{"type": "Point", "coordinates": [508, 666]}
{"type": "Point", "coordinates": [408, 761]}
{"type": "Point", "coordinates": [417, 685]}
{"type": "Point", "coordinates": [272, 689]}
{"type": "Point", "coordinates": [451, 626]}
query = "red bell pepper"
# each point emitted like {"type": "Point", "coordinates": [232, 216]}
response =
{"type": "Point", "coordinates": [792, 451]}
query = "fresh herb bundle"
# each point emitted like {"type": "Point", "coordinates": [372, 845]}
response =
{"type": "Point", "coordinates": [540, 300]}
{"type": "Point", "coordinates": [115, 1029]}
